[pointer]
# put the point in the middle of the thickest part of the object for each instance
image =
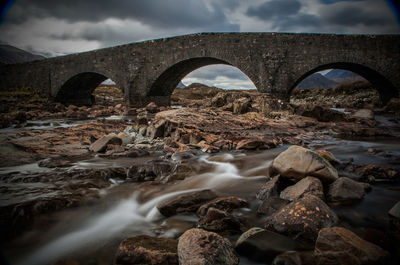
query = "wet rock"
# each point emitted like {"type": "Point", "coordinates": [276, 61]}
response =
{"type": "Point", "coordinates": [324, 114]}
{"type": "Point", "coordinates": [262, 245]}
{"type": "Point", "coordinates": [345, 189]}
{"type": "Point", "coordinates": [199, 247]}
{"type": "Point", "coordinates": [157, 129]}
{"type": "Point", "coordinates": [188, 202]}
{"type": "Point", "coordinates": [101, 144]}
{"type": "Point", "coordinates": [162, 168]}
{"type": "Point", "coordinates": [250, 144]}
{"type": "Point", "coordinates": [114, 149]}
{"type": "Point", "coordinates": [271, 205]}
{"type": "Point", "coordinates": [338, 245]}
{"type": "Point", "coordinates": [395, 210]}
{"type": "Point", "coordinates": [152, 107]}
{"type": "Point", "coordinates": [219, 221]}
{"type": "Point", "coordinates": [308, 185]}
{"type": "Point", "coordinates": [394, 218]}
{"type": "Point", "coordinates": [363, 114]}
{"type": "Point", "coordinates": [53, 162]}
{"type": "Point", "coordinates": [125, 138]}
{"type": "Point", "coordinates": [227, 204]}
{"type": "Point", "coordinates": [219, 100]}
{"type": "Point", "coordinates": [242, 105]}
{"type": "Point", "coordinates": [379, 172]}
{"type": "Point", "coordinates": [328, 156]}
{"type": "Point", "coordinates": [147, 250]}
{"type": "Point", "coordinates": [270, 189]}
{"type": "Point", "coordinates": [298, 162]}
{"type": "Point", "coordinates": [295, 258]}
{"type": "Point", "coordinates": [142, 118]}
{"type": "Point", "coordinates": [302, 219]}
{"type": "Point", "coordinates": [393, 106]}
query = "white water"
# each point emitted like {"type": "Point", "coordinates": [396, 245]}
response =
{"type": "Point", "coordinates": [127, 213]}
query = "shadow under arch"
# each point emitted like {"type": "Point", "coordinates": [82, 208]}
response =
{"type": "Point", "coordinates": [165, 84]}
{"type": "Point", "coordinates": [385, 87]}
{"type": "Point", "coordinates": [78, 89]}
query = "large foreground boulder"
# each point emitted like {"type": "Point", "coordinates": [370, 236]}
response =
{"type": "Point", "coordinates": [302, 219]}
{"type": "Point", "coordinates": [262, 245]}
{"type": "Point", "coordinates": [338, 245]}
{"type": "Point", "coordinates": [199, 247]}
{"type": "Point", "coordinates": [188, 202]}
{"type": "Point", "coordinates": [298, 162]}
{"type": "Point", "coordinates": [147, 250]}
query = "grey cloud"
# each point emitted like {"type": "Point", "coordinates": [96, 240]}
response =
{"type": "Point", "coordinates": [161, 14]}
{"type": "Point", "coordinates": [352, 15]}
{"type": "Point", "coordinates": [212, 72]}
{"type": "Point", "coordinates": [274, 9]}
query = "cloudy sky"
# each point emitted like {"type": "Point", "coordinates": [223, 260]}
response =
{"type": "Point", "coordinates": [58, 27]}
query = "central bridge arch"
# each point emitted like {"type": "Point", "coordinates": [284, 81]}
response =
{"type": "Point", "coordinates": [162, 88]}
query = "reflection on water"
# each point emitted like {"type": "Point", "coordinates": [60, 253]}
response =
{"type": "Point", "coordinates": [94, 232]}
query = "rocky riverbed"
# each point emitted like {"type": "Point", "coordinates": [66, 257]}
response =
{"type": "Point", "coordinates": [236, 178]}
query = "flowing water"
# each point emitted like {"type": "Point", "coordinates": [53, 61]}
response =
{"type": "Point", "coordinates": [91, 233]}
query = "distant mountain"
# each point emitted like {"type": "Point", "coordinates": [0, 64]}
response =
{"type": "Point", "coordinates": [316, 80]}
{"type": "Point", "coordinates": [181, 85]}
{"type": "Point", "coordinates": [11, 55]}
{"type": "Point", "coordinates": [343, 76]}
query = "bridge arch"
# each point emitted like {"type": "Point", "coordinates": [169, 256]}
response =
{"type": "Point", "coordinates": [78, 88]}
{"type": "Point", "coordinates": [385, 88]}
{"type": "Point", "coordinates": [166, 82]}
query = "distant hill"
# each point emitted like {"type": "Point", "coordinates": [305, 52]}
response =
{"type": "Point", "coordinates": [12, 55]}
{"type": "Point", "coordinates": [181, 85]}
{"type": "Point", "coordinates": [343, 76]}
{"type": "Point", "coordinates": [316, 80]}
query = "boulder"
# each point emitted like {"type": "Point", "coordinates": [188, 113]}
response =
{"type": "Point", "coordinates": [395, 210]}
{"type": "Point", "coordinates": [219, 221]}
{"type": "Point", "coordinates": [328, 156]}
{"type": "Point", "coordinates": [269, 189]}
{"type": "Point", "coordinates": [298, 162]}
{"type": "Point", "coordinates": [147, 250]}
{"type": "Point", "coordinates": [188, 202]}
{"type": "Point", "coordinates": [242, 105]}
{"type": "Point", "coordinates": [324, 114]}
{"type": "Point", "coordinates": [302, 219]}
{"type": "Point", "coordinates": [363, 114]}
{"type": "Point", "coordinates": [295, 258]}
{"type": "Point", "coordinates": [345, 189]}
{"type": "Point", "coordinates": [199, 247]}
{"type": "Point", "coordinates": [152, 107]}
{"type": "Point", "coordinates": [223, 203]}
{"type": "Point", "coordinates": [157, 129]}
{"type": "Point", "coordinates": [308, 185]}
{"type": "Point", "coordinates": [125, 138]}
{"type": "Point", "coordinates": [262, 245]}
{"type": "Point", "coordinates": [338, 245]}
{"type": "Point", "coordinates": [219, 100]}
{"type": "Point", "coordinates": [271, 205]}
{"type": "Point", "coordinates": [251, 144]}
{"type": "Point", "coordinates": [100, 145]}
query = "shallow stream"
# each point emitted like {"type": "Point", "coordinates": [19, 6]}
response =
{"type": "Point", "coordinates": [90, 234]}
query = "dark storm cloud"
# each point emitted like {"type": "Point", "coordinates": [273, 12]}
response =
{"type": "Point", "coordinates": [353, 15]}
{"type": "Point", "coordinates": [284, 15]}
{"type": "Point", "coordinates": [160, 14]}
{"type": "Point", "coordinates": [274, 8]}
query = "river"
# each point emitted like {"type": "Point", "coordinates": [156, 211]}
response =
{"type": "Point", "coordinates": [91, 233]}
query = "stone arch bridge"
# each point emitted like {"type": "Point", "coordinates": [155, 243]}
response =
{"type": "Point", "coordinates": [150, 70]}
